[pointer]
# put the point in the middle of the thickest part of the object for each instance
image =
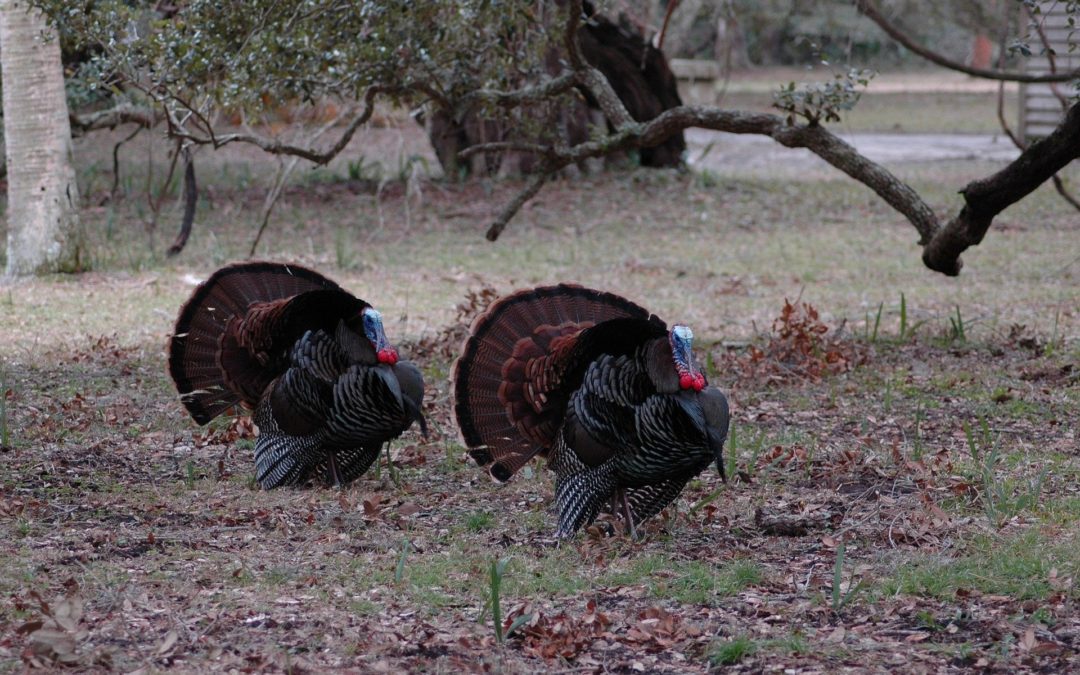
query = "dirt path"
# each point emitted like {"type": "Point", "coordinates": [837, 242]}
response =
{"type": "Point", "coordinates": [726, 153]}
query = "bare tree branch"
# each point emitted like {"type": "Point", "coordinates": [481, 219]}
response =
{"type": "Point", "coordinates": [663, 28]}
{"type": "Point", "coordinates": [589, 77]}
{"type": "Point", "coordinates": [1059, 184]}
{"type": "Point", "coordinates": [116, 164]}
{"type": "Point", "coordinates": [871, 12]}
{"type": "Point", "coordinates": [285, 169]}
{"type": "Point", "coordinates": [277, 147]}
{"type": "Point", "coordinates": [536, 181]}
{"type": "Point", "coordinates": [570, 35]}
{"type": "Point", "coordinates": [813, 137]}
{"type": "Point", "coordinates": [610, 103]}
{"type": "Point", "coordinates": [282, 174]}
{"type": "Point", "coordinates": [510, 99]}
{"type": "Point", "coordinates": [989, 196]}
{"type": "Point", "coordinates": [155, 204]}
{"type": "Point", "coordinates": [1051, 59]}
{"type": "Point", "coordinates": [942, 245]}
{"type": "Point", "coordinates": [508, 146]}
{"type": "Point", "coordinates": [191, 198]}
{"type": "Point", "coordinates": [124, 113]}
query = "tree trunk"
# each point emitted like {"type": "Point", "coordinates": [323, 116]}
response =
{"type": "Point", "coordinates": [42, 219]}
{"type": "Point", "coordinates": [642, 80]}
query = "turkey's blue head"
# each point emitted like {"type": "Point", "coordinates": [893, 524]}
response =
{"type": "Point", "coordinates": [373, 331]}
{"type": "Point", "coordinates": [682, 339]}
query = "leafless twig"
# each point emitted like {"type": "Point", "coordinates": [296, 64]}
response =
{"type": "Point", "coordinates": [874, 14]}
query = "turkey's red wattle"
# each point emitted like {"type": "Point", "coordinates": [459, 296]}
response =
{"type": "Point", "coordinates": [388, 356]}
{"type": "Point", "coordinates": [686, 380]}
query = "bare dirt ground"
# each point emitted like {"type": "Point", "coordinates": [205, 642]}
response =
{"type": "Point", "coordinates": [905, 490]}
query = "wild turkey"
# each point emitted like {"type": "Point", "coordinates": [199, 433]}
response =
{"type": "Point", "coordinates": [310, 359]}
{"type": "Point", "coordinates": [600, 387]}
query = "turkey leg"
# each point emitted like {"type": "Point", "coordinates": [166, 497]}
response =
{"type": "Point", "coordinates": [621, 496]}
{"type": "Point", "coordinates": [334, 473]}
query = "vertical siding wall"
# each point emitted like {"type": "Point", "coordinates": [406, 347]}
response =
{"type": "Point", "coordinates": [1042, 105]}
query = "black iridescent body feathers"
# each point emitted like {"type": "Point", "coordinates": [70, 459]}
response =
{"type": "Point", "coordinates": [310, 359]}
{"type": "Point", "coordinates": [600, 387]}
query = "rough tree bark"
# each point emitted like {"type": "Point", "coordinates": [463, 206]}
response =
{"type": "Point", "coordinates": [42, 219]}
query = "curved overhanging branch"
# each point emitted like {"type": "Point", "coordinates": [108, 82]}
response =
{"type": "Point", "coordinates": [124, 113]}
{"type": "Point", "coordinates": [546, 90]}
{"type": "Point", "coordinates": [942, 245]}
{"type": "Point", "coordinates": [277, 147]}
{"type": "Point", "coordinates": [1059, 184]}
{"type": "Point", "coordinates": [815, 138]}
{"type": "Point", "coordinates": [987, 197]}
{"type": "Point", "coordinates": [871, 12]}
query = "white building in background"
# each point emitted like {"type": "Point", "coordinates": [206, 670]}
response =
{"type": "Point", "coordinates": [1043, 105]}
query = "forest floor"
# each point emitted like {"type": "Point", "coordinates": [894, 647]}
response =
{"type": "Point", "coordinates": [904, 452]}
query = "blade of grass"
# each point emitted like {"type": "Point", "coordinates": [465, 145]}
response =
{"type": "Point", "coordinates": [399, 573]}
{"type": "Point", "coordinates": [498, 568]}
{"type": "Point", "coordinates": [903, 317]}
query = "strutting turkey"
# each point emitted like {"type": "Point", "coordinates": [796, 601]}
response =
{"type": "Point", "coordinates": [310, 359]}
{"type": "Point", "coordinates": [600, 387]}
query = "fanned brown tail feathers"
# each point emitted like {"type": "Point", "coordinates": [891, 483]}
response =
{"type": "Point", "coordinates": [229, 334]}
{"type": "Point", "coordinates": [515, 372]}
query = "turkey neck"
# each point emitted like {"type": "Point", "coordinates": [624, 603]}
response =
{"type": "Point", "coordinates": [350, 336]}
{"type": "Point", "coordinates": [660, 364]}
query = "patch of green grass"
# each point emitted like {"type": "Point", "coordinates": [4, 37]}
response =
{"type": "Point", "coordinates": [686, 581]}
{"type": "Point", "coordinates": [1062, 511]}
{"type": "Point", "coordinates": [1018, 567]}
{"type": "Point", "coordinates": [432, 582]}
{"type": "Point", "coordinates": [730, 652]}
{"type": "Point", "coordinates": [794, 643]}
{"type": "Point", "coordinates": [746, 445]}
{"type": "Point", "coordinates": [960, 652]}
{"type": "Point", "coordinates": [839, 598]}
{"type": "Point", "coordinates": [5, 430]}
{"type": "Point", "coordinates": [277, 576]}
{"type": "Point", "coordinates": [1045, 616]}
{"type": "Point", "coordinates": [557, 573]}
{"type": "Point", "coordinates": [479, 521]}
{"type": "Point", "coordinates": [23, 528]}
{"type": "Point", "coordinates": [1006, 489]}
{"type": "Point", "coordinates": [364, 607]}
{"type": "Point", "coordinates": [733, 651]}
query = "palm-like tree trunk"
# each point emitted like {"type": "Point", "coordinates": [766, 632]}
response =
{"type": "Point", "coordinates": [42, 220]}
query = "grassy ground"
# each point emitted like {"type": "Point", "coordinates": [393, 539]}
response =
{"type": "Point", "coordinates": [905, 493]}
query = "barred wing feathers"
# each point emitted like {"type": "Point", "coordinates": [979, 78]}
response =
{"type": "Point", "coordinates": [522, 360]}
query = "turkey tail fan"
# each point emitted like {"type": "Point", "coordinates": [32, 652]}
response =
{"type": "Point", "coordinates": [195, 350]}
{"type": "Point", "coordinates": [509, 394]}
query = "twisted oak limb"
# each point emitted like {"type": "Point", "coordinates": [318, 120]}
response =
{"type": "Point", "coordinates": [987, 197]}
{"type": "Point", "coordinates": [943, 245]}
